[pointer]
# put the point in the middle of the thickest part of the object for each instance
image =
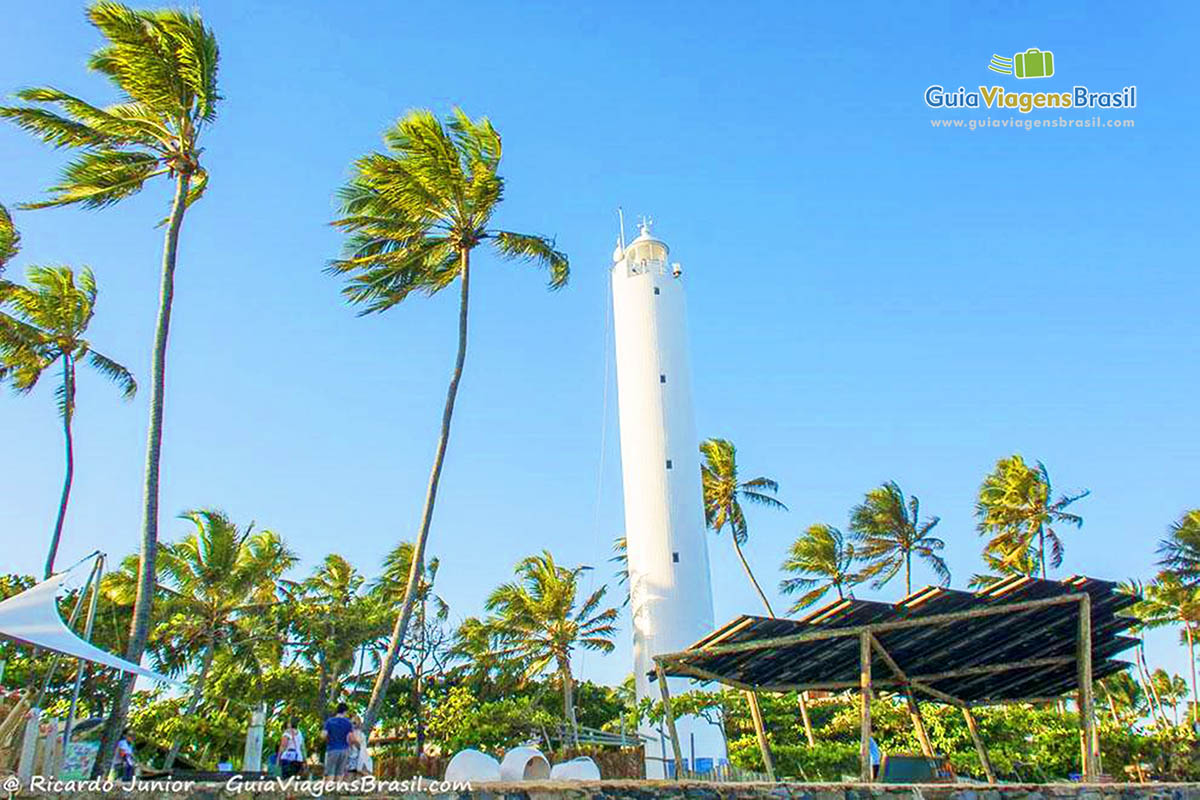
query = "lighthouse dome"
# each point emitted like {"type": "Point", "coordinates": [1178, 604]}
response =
{"type": "Point", "coordinates": [646, 249]}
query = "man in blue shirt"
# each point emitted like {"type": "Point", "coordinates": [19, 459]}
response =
{"type": "Point", "coordinates": [336, 734]}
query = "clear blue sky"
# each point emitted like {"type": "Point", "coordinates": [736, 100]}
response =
{"type": "Point", "coordinates": [869, 298]}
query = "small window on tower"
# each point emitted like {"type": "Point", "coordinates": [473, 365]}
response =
{"type": "Point", "coordinates": [656, 290]}
{"type": "Point", "coordinates": [668, 463]}
{"type": "Point", "coordinates": [675, 557]}
{"type": "Point", "coordinates": [662, 378]}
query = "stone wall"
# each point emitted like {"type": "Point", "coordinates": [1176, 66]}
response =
{"type": "Point", "coordinates": [653, 790]}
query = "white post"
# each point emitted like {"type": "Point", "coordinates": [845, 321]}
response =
{"type": "Point", "coordinates": [51, 748]}
{"type": "Point", "coordinates": [252, 756]}
{"type": "Point", "coordinates": [29, 743]}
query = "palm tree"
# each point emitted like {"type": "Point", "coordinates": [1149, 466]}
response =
{"type": "Point", "coordinates": [477, 646]}
{"type": "Point", "coordinates": [332, 618]}
{"type": "Point", "coordinates": [1170, 601]}
{"type": "Point", "coordinates": [891, 531]}
{"type": "Point", "coordinates": [620, 557]}
{"type": "Point", "coordinates": [1138, 611]}
{"type": "Point", "coordinates": [46, 326]}
{"type": "Point", "coordinates": [1001, 567]}
{"type": "Point", "coordinates": [723, 496]}
{"type": "Point", "coordinates": [1172, 688]}
{"type": "Point", "coordinates": [1180, 551]}
{"type": "Point", "coordinates": [537, 621]}
{"type": "Point", "coordinates": [164, 67]}
{"type": "Point", "coordinates": [1123, 696]}
{"type": "Point", "coordinates": [216, 581]}
{"type": "Point", "coordinates": [1017, 509]}
{"type": "Point", "coordinates": [821, 559]}
{"type": "Point", "coordinates": [10, 240]}
{"type": "Point", "coordinates": [414, 215]}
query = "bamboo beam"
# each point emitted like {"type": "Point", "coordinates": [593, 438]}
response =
{"type": "Point", "coordinates": [866, 773]}
{"type": "Point", "coordinates": [918, 722]}
{"type": "Point", "coordinates": [666, 701]}
{"type": "Point", "coordinates": [940, 695]}
{"type": "Point", "coordinates": [808, 732]}
{"type": "Point", "coordinates": [989, 669]}
{"type": "Point", "coordinates": [887, 658]}
{"type": "Point", "coordinates": [760, 730]}
{"type": "Point", "coordinates": [984, 761]}
{"type": "Point", "coordinates": [704, 675]}
{"type": "Point", "coordinates": [1011, 701]}
{"type": "Point", "coordinates": [1087, 706]}
{"type": "Point", "coordinates": [856, 630]}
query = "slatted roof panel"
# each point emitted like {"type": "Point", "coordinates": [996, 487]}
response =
{"type": "Point", "coordinates": [958, 657]}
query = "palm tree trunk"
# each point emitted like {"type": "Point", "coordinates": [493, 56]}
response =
{"type": "Point", "coordinates": [568, 683]}
{"type": "Point", "coordinates": [907, 573]}
{"type": "Point", "coordinates": [1112, 707]}
{"type": "Point", "coordinates": [1191, 640]}
{"type": "Point", "coordinates": [750, 575]}
{"type": "Point", "coordinates": [803, 696]}
{"type": "Point", "coordinates": [322, 687]}
{"type": "Point", "coordinates": [68, 413]}
{"type": "Point", "coordinates": [139, 627]}
{"type": "Point", "coordinates": [1148, 686]}
{"type": "Point", "coordinates": [379, 691]}
{"type": "Point", "coordinates": [1042, 550]}
{"type": "Point", "coordinates": [417, 700]}
{"type": "Point", "coordinates": [194, 702]}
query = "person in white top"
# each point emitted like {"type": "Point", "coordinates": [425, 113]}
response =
{"type": "Point", "coordinates": [360, 755]}
{"type": "Point", "coordinates": [291, 750]}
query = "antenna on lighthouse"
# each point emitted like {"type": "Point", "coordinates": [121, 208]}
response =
{"type": "Point", "coordinates": [621, 222]}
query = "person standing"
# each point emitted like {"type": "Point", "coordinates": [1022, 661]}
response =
{"type": "Point", "coordinates": [336, 734]}
{"type": "Point", "coordinates": [124, 761]}
{"type": "Point", "coordinates": [291, 750]}
{"type": "Point", "coordinates": [360, 756]}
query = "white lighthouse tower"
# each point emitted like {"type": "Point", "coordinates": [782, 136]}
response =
{"type": "Point", "coordinates": [667, 546]}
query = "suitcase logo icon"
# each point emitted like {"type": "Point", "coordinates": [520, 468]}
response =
{"type": "Point", "coordinates": [1033, 63]}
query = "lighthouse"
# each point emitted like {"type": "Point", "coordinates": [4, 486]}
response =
{"type": "Point", "coordinates": [666, 543]}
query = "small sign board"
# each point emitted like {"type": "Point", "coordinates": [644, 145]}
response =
{"type": "Point", "coordinates": [78, 759]}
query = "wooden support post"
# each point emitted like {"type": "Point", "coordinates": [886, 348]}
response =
{"type": "Point", "coordinates": [914, 713]}
{"type": "Point", "coordinates": [760, 730]}
{"type": "Point", "coordinates": [984, 761]}
{"type": "Point", "coordinates": [1087, 705]}
{"type": "Point", "coordinates": [808, 731]}
{"type": "Point", "coordinates": [866, 773]}
{"type": "Point", "coordinates": [677, 751]}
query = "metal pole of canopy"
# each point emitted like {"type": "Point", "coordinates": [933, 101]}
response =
{"type": "Point", "coordinates": [70, 624]}
{"type": "Point", "coordinates": [88, 625]}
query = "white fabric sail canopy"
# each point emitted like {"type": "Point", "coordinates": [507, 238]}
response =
{"type": "Point", "coordinates": [32, 617]}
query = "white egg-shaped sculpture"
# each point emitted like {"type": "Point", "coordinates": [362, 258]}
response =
{"type": "Point", "coordinates": [474, 766]}
{"type": "Point", "coordinates": [577, 769]}
{"type": "Point", "coordinates": [524, 764]}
